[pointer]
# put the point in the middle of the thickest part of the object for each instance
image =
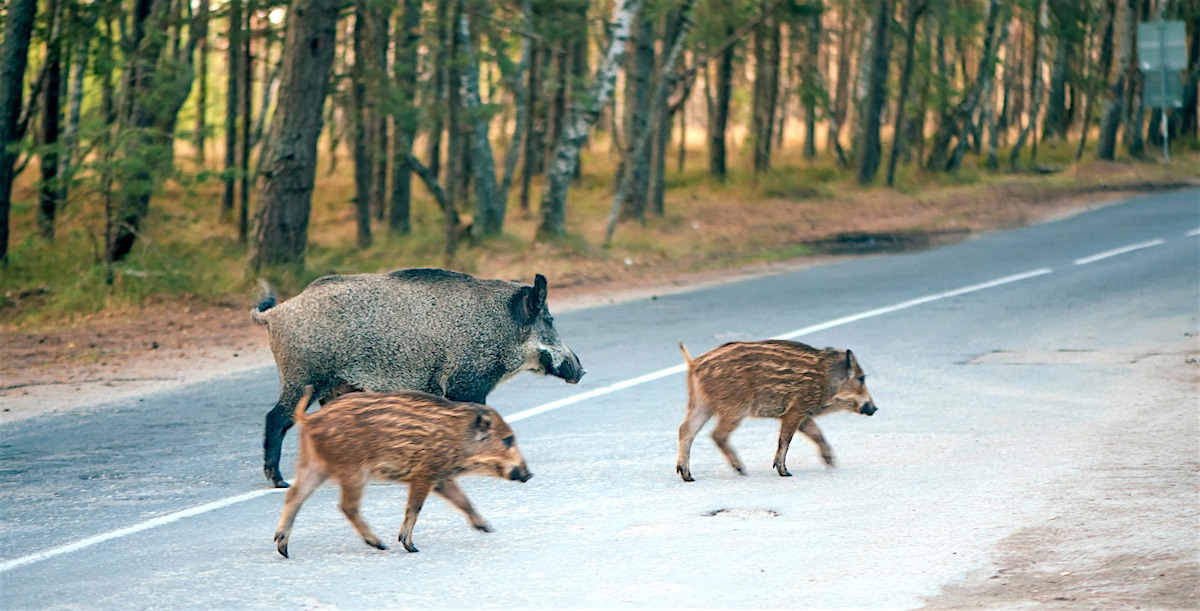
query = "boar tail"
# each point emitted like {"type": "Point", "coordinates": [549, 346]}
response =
{"type": "Point", "coordinates": [687, 356]}
{"type": "Point", "coordinates": [266, 300]}
{"type": "Point", "coordinates": [298, 415]}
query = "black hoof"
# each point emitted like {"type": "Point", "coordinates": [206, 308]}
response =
{"type": "Point", "coordinates": [376, 544]}
{"type": "Point", "coordinates": [283, 550]}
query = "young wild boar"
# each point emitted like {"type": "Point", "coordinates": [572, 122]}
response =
{"type": "Point", "coordinates": [769, 379]}
{"type": "Point", "coordinates": [407, 436]}
{"type": "Point", "coordinates": [433, 330]}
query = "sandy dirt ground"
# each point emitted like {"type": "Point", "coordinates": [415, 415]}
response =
{"type": "Point", "coordinates": [1123, 533]}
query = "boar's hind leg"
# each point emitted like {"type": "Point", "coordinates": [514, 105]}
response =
{"type": "Point", "coordinates": [352, 493]}
{"type": "Point", "coordinates": [417, 492]}
{"type": "Point", "coordinates": [810, 429]}
{"type": "Point", "coordinates": [697, 415]}
{"type": "Point", "coordinates": [787, 429]}
{"type": "Point", "coordinates": [450, 491]}
{"type": "Point", "coordinates": [308, 478]}
{"type": "Point", "coordinates": [279, 420]}
{"type": "Point", "coordinates": [721, 432]}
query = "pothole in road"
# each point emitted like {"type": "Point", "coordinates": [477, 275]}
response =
{"type": "Point", "coordinates": [745, 514]}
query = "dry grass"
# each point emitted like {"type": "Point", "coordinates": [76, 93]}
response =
{"type": "Point", "coordinates": [188, 255]}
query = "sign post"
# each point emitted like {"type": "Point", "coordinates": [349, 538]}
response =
{"type": "Point", "coordinates": [1162, 54]}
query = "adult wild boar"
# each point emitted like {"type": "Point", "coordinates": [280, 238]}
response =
{"type": "Point", "coordinates": [433, 330]}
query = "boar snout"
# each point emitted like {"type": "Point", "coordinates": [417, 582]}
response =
{"type": "Point", "coordinates": [569, 368]}
{"type": "Point", "coordinates": [520, 474]}
{"type": "Point", "coordinates": [868, 409]}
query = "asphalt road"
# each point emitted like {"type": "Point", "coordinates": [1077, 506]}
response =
{"type": "Point", "coordinates": [1004, 367]}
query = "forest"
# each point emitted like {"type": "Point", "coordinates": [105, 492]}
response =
{"type": "Point", "coordinates": [436, 125]}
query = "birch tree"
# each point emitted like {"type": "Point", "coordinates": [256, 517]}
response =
{"type": "Point", "coordinates": [583, 116]}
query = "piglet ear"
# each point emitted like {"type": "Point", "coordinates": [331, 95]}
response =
{"type": "Point", "coordinates": [482, 426]}
{"type": "Point", "coordinates": [849, 363]}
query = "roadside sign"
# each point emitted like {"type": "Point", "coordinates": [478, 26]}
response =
{"type": "Point", "coordinates": [1162, 54]}
{"type": "Point", "coordinates": [1153, 89]}
{"type": "Point", "coordinates": [1162, 45]}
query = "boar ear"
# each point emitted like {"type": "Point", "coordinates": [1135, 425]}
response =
{"type": "Point", "coordinates": [482, 425]}
{"type": "Point", "coordinates": [849, 363]}
{"type": "Point", "coordinates": [529, 302]}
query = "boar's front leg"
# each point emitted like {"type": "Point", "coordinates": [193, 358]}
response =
{"type": "Point", "coordinates": [790, 423]}
{"type": "Point", "coordinates": [810, 429]}
{"type": "Point", "coordinates": [417, 492]}
{"type": "Point", "coordinates": [450, 491]}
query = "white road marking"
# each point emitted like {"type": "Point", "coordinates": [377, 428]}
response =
{"type": "Point", "coordinates": [662, 373]}
{"type": "Point", "coordinates": [8, 565]}
{"type": "Point", "coordinates": [1192, 233]}
{"type": "Point", "coordinates": [1118, 251]}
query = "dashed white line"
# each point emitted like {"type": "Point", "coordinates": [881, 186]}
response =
{"type": "Point", "coordinates": [1192, 233]}
{"type": "Point", "coordinates": [529, 413]}
{"type": "Point", "coordinates": [1118, 251]}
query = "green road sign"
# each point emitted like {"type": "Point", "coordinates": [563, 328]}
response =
{"type": "Point", "coordinates": [1153, 89]}
{"type": "Point", "coordinates": [1162, 45]}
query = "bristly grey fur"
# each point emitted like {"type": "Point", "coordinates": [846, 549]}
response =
{"type": "Point", "coordinates": [433, 330]}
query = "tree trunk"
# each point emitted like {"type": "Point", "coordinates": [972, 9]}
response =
{"type": "Point", "coordinates": [51, 111]}
{"type": "Point", "coordinates": [1114, 101]}
{"type": "Point", "coordinates": [246, 89]}
{"type": "Point", "coordinates": [662, 117]}
{"type": "Point", "coordinates": [1035, 86]}
{"type": "Point", "coordinates": [437, 99]}
{"type": "Point", "coordinates": [285, 194]}
{"type": "Point", "coordinates": [554, 200]}
{"type": "Point", "coordinates": [515, 145]}
{"type": "Point", "coordinates": [812, 75]}
{"type": "Point", "coordinates": [488, 218]}
{"type": "Point", "coordinates": [1134, 108]}
{"type": "Point", "coordinates": [957, 123]}
{"type": "Point", "coordinates": [363, 163]}
{"type": "Point", "coordinates": [156, 86]}
{"type": "Point", "coordinates": [638, 75]}
{"type": "Point", "coordinates": [408, 40]}
{"type": "Point", "coordinates": [232, 108]}
{"type": "Point", "coordinates": [529, 152]}
{"type": "Point", "coordinates": [381, 16]}
{"type": "Point", "coordinates": [1064, 15]}
{"type": "Point", "coordinates": [1099, 77]}
{"type": "Point", "coordinates": [914, 10]}
{"type": "Point", "coordinates": [201, 130]}
{"type": "Point", "coordinates": [87, 22]}
{"type": "Point", "coordinates": [876, 94]}
{"type": "Point", "coordinates": [14, 58]}
{"type": "Point", "coordinates": [719, 117]}
{"type": "Point", "coordinates": [666, 82]}
{"type": "Point", "coordinates": [766, 91]}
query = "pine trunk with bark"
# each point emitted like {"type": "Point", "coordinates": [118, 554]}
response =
{"type": "Point", "coordinates": [200, 131]}
{"type": "Point", "coordinates": [872, 148]}
{"type": "Point", "coordinates": [363, 158]}
{"type": "Point", "coordinates": [718, 125]}
{"type": "Point", "coordinates": [488, 218]}
{"type": "Point", "coordinates": [405, 119]}
{"type": "Point", "coordinates": [914, 9]}
{"type": "Point", "coordinates": [1035, 86]}
{"type": "Point", "coordinates": [1114, 101]}
{"type": "Point", "coordinates": [636, 165]}
{"type": "Point", "coordinates": [14, 58]}
{"type": "Point", "coordinates": [285, 192]}
{"type": "Point", "coordinates": [51, 111]}
{"type": "Point", "coordinates": [812, 75]}
{"type": "Point", "coordinates": [766, 91]}
{"type": "Point", "coordinates": [232, 106]}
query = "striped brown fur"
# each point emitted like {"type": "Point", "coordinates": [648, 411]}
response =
{"type": "Point", "coordinates": [781, 379]}
{"type": "Point", "coordinates": [408, 436]}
